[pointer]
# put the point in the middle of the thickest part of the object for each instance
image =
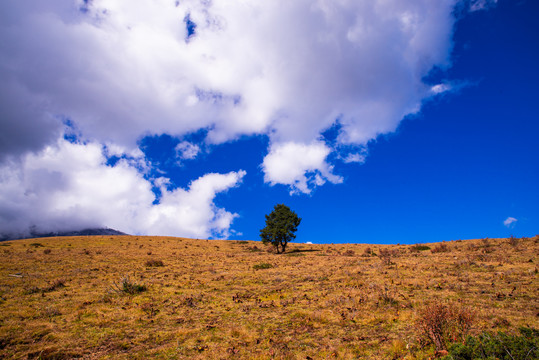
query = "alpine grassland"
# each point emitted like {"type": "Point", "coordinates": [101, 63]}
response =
{"type": "Point", "coordinates": [143, 297]}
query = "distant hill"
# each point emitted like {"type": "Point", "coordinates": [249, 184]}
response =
{"type": "Point", "coordinates": [85, 232]}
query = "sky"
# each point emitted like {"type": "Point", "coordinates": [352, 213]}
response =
{"type": "Point", "coordinates": [376, 121]}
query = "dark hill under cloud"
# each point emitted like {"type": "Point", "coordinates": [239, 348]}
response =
{"type": "Point", "coordinates": [84, 232]}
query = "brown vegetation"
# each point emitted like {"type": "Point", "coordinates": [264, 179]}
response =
{"type": "Point", "coordinates": [102, 298]}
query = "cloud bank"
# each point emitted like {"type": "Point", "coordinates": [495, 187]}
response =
{"type": "Point", "coordinates": [68, 186]}
{"type": "Point", "coordinates": [120, 71]}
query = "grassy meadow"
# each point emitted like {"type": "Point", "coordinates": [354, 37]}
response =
{"type": "Point", "coordinates": [135, 297]}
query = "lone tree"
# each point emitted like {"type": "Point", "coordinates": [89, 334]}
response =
{"type": "Point", "coordinates": [281, 224]}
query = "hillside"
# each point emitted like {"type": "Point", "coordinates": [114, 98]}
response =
{"type": "Point", "coordinates": [132, 297]}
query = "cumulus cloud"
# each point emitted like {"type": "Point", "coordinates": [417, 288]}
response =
{"type": "Point", "coordinates": [300, 166]}
{"type": "Point", "coordinates": [288, 70]}
{"type": "Point", "coordinates": [510, 222]}
{"type": "Point", "coordinates": [187, 150]}
{"type": "Point", "coordinates": [69, 186]}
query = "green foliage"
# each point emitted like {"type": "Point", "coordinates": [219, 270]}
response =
{"type": "Point", "coordinates": [281, 225]}
{"type": "Point", "coordinates": [126, 286]}
{"type": "Point", "coordinates": [262, 266]}
{"type": "Point", "coordinates": [498, 346]}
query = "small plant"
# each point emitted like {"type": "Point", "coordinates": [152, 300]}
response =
{"type": "Point", "coordinates": [47, 251]}
{"type": "Point", "coordinates": [349, 253]}
{"type": "Point", "coordinates": [262, 266]}
{"type": "Point", "coordinates": [513, 241]}
{"type": "Point", "coordinates": [154, 263]}
{"type": "Point", "coordinates": [57, 284]}
{"type": "Point", "coordinates": [440, 248]}
{"type": "Point", "coordinates": [36, 245]}
{"type": "Point", "coordinates": [440, 324]}
{"type": "Point", "coordinates": [126, 286]}
{"type": "Point", "coordinates": [150, 309]}
{"type": "Point", "coordinates": [368, 252]}
{"type": "Point", "coordinates": [419, 247]}
{"type": "Point", "coordinates": [386, 255]}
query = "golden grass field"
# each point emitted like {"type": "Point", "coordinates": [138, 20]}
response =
{"type": "Point", "coordinates": [61, 298]}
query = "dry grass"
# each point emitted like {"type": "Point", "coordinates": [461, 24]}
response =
{"type": "Point", "coordinates": [210, 301]}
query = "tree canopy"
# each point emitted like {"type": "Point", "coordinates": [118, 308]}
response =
{"type": "Point", "coordinates": [281, 225]}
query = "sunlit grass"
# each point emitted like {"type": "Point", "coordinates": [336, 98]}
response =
{"type": "Point", "coordinates": [129, 297]}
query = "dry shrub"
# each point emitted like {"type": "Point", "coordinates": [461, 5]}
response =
{"type": "Point", "coordinates": [47, 251]}
{"type": "Point", "coordinates": [367, 252]}
{"type": "Point", "coordinates": [349, 253]}
{"type": "Point", "coordinates": [513, 241]}
{"type": "Point", "coordinates": [154, 263]}
{"type": "Point", "coordinates": [442, 247]}
{"type": "Point", "coordinates": [386, 255]}
{"type": "Point", "coordinates": [441, 324]}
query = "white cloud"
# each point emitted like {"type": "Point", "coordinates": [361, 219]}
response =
{"type": "Point", "coordinates": [122, 70]}
{"type": "Point", "coordinates": [440, 88]}
{"type": "Point", "coordinates": [283, 68]}
{"type": "Point", "coordinates": [299, 165]}
{"type": "Point", "coordinates": [510, 222]}
{"type": "Point", "coordinates": [69, 186]}
{"type": "Point", "coordinates": [354, 158]}
{"type": "Point", "coordinates": [476, 5]}
{"type": "Point", "coordinates": [187, 150]}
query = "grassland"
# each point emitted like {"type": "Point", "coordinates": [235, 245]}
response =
{"type": "Point", "coordinates": [64, 298]}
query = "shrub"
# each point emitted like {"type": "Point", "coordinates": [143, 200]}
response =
{"type": "Point", "coordinates": [262, 266]}
{"type": "Point", "coordinates": [498, 346]}
{"type": "Point", "coordinates": [57, 284]}
{"type": "Point", "coordinates": [154, 263]}
{"type": "Point", "coordinates": [126, 286]}
{"type": "Point", "coordinates": [47, 251]}
{"type": "Point", "coordinates": [386, 255]}
{"type": "Point", "coordinates": [419, 247]}
{"type": "Point", "coordinates": [367, 252]}
{"type": "Point", "coordinates": [36, 245]}
{"type": "Point", "coordinates": [440, 324]}
{"type": "Point", "coordinates": [513, 241]}
{"type": "Point", "coordinates": [442, 247]}
{"type": "Point", "coordinates": [349, 253]}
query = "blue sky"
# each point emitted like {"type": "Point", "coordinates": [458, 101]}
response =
{"type": "Point", "coordinates": [446, 152]}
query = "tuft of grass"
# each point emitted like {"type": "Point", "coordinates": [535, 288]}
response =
{"type": "Point", "coordinates": [36, 245]}
{"type": "Point", "coordinates": [262, 266]}
{"type": "Point", "coordinates": [126, 286]}
{"type": "Point", "coordinates": [154, 263]}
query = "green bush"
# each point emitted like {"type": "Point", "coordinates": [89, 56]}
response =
{"type": "Point", "coordinates": [419, 247]}
{"type": "Point", "coordinates": [498, 346]}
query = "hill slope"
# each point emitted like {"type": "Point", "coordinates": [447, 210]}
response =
{"type": "Point", "coordinates": [129, 297]}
